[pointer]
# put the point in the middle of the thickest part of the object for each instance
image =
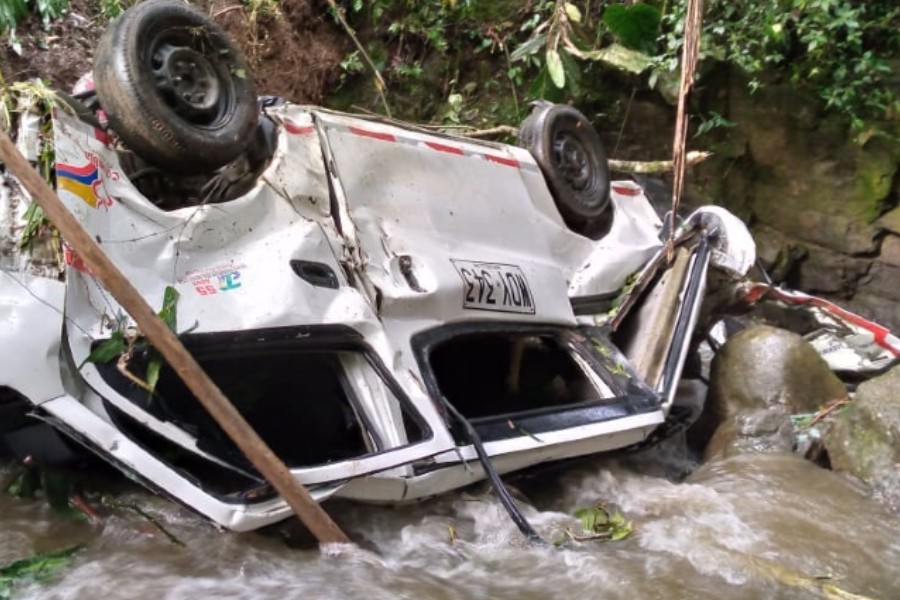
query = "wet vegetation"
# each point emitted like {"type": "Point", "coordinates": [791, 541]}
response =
{"type": "Point", "coordinates": [33, 569]}
{"type": "Point", "coordinates": [487, 60]}
{"type": "Point", "coordinates": [479, 62]}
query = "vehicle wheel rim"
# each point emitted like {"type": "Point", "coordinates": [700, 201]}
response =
{"type": "Point", "coordinates": [572, 159]}
{"type": "Point", "coordinates": [188, 82]}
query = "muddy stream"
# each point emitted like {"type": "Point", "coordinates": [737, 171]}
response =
{"type": "Point", "coordinates": [755, 526]}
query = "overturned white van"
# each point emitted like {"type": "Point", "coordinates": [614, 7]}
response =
{"type": "Point", "coordinates": [364, 295]}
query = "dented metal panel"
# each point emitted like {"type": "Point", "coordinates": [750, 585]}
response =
{"type": "Point", "coordinates": [385, 231]}
{"type": "Point", "coordinates": [231, 264]}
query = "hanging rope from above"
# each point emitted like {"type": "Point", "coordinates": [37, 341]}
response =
{"type": "Point", "coordinates": [693, 23]}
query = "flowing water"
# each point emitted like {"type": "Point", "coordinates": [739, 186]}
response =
{"type": "Point", "coordinates": [760, 526]}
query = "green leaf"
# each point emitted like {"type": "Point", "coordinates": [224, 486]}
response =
{"type": "Point", "coordinates": [542, 88]}
{"type": "Point", "coordinates": [597, 521]}
{"type": "Point", "coordinates": [107, 350]}
{"type": "Point", "coordinates": [34, 220]}
{"type": "Point", "coordinates": [622, 58]}
{"type": "Point", "coordinates": [587, 517]}
{"type": "Point", "coordinates": [34, 569]}
{"type": "Point", "coordinates": [531, 46]}
{"type": "Point", "coordinates": [167, 313]}
{"type": "Point", "coordinates": [555, 68]}
{"type": "Point", "coordinates": [636, 26]}
{"type": "Point", "coordinates": [572, 69]}
{"type": "Point", "coordinates": [572, 12]}
{"type": "Point", "coordinates": [153, 369]}
{"type": "Point", "coordinates": [25, 484]}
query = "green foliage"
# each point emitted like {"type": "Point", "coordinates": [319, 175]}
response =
{"type": "Point", "coordinates": [431, 23]}
{"type": "Point", "coordinates": [32, 99]}
{"type": "Point", "coordinates": [13, 11]}
{"type": "Point", "coordinates": [420, 47]}
{"type": "Point", "coordinates": [123, 343]}
{"type": "Point", "coordinates": [255, 9]}
{"type": "Point", "coordinates": [838, 49]}
{"type": "Point", "coordinates": [565, 42]}
{"type": "Point", "coordinates": [599, 523]}
{"type": "Point", "coordinates": [108, 350]}
{"type": "Point", "coordinates": [113, 8]}
{"type": "Point", "coordinates": [35, 220]}
{"type": "Point", "coordinates": [48, 10]}
{"type": "Point", "coordinates": [57, 487]}
{"type": "Point", "coordinates": [559, 49]}
{"type": "Point", "coordinates": [713, 121]}
{"type": "Point", "coordinates": [636, 25]}
{"type": "Point", "coordinates": [34, 569]}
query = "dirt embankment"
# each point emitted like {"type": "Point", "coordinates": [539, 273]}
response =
{"type": "Point", "coordinates": [294, 54]}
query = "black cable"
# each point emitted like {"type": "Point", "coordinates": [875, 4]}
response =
{"type": "Point", "coordinates": [502, 493]}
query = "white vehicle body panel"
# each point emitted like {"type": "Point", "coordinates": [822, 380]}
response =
{"type": "Point", "coordinates": [30, 330]}
{"type": "Point", "coordinates": [418, 232]}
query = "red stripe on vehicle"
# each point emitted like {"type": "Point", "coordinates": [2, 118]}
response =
{"type": "Point", "coordinates": [443, 148]}
{"type": "Point", "coordinates": [72, 259]}
{"type": "Point", "coordinates": [626, 191]}
{"type": "Point", "coordinates": [386, 137]}
{"type": "Point", "coordinates": [502, 160]}
{"type": "Point", "coordinates": [102, 137]}
{"type": "Point", "coordinates": [292, 127]}
{"type": "Point", "coordinates": [879, 333]}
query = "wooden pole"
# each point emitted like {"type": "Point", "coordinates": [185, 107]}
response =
{"type": "Point", "coordinates": [176, 355]}
{"type": "Point", "coordinates": [693, 24]}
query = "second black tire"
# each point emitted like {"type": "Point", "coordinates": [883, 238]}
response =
{"type": "Point", "coordinates": [570, 154]}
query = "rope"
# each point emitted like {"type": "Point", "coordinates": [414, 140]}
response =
{"type": "Point", "coordinates": [693, 22]}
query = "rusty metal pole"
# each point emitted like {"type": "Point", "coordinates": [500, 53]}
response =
{"type": "Point", "coordinates": [167, 343]}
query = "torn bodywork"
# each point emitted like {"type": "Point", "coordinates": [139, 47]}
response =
{"type": "Point", "coordinates": [383, 304]}
{"type": "Point", "coordinates": [372, 273]}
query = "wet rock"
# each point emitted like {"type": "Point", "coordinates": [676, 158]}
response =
{"type": "Point", "coordinates": [759, 378]}
{"type": "Point", "coordinates": [883, 280]}
{"type": "Point", "coordinates": [823, 206]}
{"type": "Point", "coordinates": [752, 431]}
{"type": "Point", "coordinates": [890, 250]}
{"type": "Point", "coordinates": [848, 234]}
{"type": "Point", "coordinates": [881, 309]}
{"type": "Point", "coordinates": [891, 220]}
{"type": "Point", "coordinates": [828, 272]}
{"type": "Point", "coordinates": [864, 439]}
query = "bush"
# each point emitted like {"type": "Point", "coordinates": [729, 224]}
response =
{"type": "Point", "coordinates": [13, 11]}
{"type": "Point", "coordinates": [839, 49]}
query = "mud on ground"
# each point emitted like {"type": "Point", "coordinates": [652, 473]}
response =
{"type": "Point", "coordinates": [294, 54]}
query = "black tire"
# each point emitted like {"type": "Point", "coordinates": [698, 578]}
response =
{"type": "Point", "coordinates": [570, 154]}
{"type": "Point", "coordinates": [174, 87]}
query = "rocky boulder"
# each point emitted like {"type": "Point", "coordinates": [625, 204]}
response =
{"type": "Point", "coordinates": [824, 204]}
{"type": "Point", "coordinates": [864, 438]}
{"type": "Point", "coordinates": [760, 377]}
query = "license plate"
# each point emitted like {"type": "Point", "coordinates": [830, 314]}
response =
{"type": "Point", "coordinates": [494, 286]}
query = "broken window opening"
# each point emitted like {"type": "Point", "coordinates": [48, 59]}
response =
{"type": "Point", "coordinates": [307, 405]}
{"type": "Point", "coordinates": [494, 374]}
{"type": "Point", "coordinates": [224, 483]}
